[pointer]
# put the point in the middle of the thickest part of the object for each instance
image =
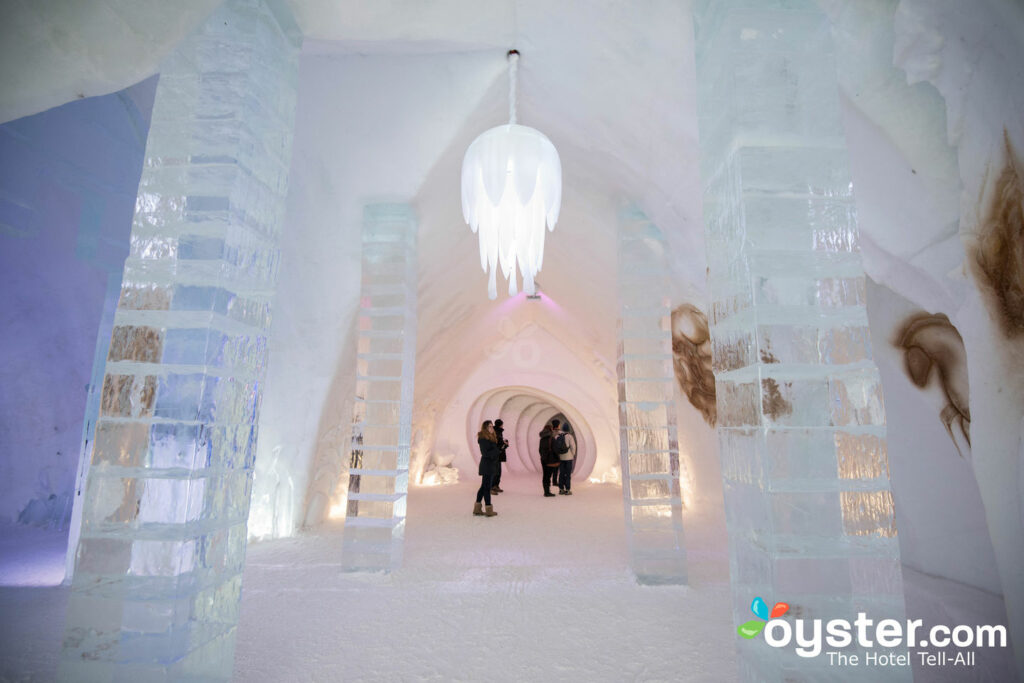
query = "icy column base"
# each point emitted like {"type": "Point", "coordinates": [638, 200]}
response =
{"type": "Point", "coordinates": [800, 413]}
{"type": "Point", "coordinates": [648, 441]}
{"type": "Point", "coordinates": [158, 567]}
{"type": "Point", "coordinates": [382, 412]}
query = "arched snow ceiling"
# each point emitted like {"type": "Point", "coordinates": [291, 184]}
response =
{"type": "Point", "coordinates": [610, 83]}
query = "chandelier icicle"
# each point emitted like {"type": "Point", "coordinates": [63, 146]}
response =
{"type": "Point", "coordinates": [511, 189]}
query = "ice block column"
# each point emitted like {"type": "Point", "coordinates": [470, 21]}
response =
{"type": "Point", "coordinates": [158, 569]}
{"type": "Point", "coordinates": [649, 449]}
{"type": "Point", "coordinates": [801, 422]}
{"type": "Point", "coordinates": [382, 412]}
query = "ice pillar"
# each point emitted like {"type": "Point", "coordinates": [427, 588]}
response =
{"type": "Point", "coordinates": [800, 414]}
{"type": "Point", "coordinates": [382, 412]}
{"type": "Point", "coordinates": [649, 448]}
{"type": "Point", "coordinates": [158, 569]}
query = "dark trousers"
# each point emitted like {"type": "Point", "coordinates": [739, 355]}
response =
{"type": "Point", "coordinates": [484, 492]}
{"type": "Point", "coordinates": [564, 474]}
{"type": "Point", "coordinates": [550, 475]}
{"type": "Point", "coordinates": [497, 477]}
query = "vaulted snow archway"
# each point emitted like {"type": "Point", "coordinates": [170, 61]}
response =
{"type": "Point", "coordinates": [524, 412]}
{"type": "Point", "coordinates": [524, 389]}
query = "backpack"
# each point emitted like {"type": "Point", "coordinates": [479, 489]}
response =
{"type": "Point", "coordinates": [560, 446]}
{"type": "Point", "coordinates": [545, 449]}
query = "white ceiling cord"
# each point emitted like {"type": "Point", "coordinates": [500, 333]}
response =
{"type": "Point", "coordinates": [513, 70]}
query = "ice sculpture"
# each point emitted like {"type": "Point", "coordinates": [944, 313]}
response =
{"type": "Point", "coordinates": [649, 449]}
{"type": "Point", "coordinates": [158, 567]}
{"type": "Point", "coordinates": [382, 412]}
{"type": "Point", "coordinates": [800, 415]}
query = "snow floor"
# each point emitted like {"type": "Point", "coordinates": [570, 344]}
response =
{"type": "Point", "coordinates": [32, 602]}
{"type": "Point", "coordinates": [941, 601]}
{"type": "Point", "coordinates": [542, 592]}
{"type": "Point", "coordinates": [32, 556]}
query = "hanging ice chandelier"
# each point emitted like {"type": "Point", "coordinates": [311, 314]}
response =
{"type": "Point", "coordinates": [511, 188]}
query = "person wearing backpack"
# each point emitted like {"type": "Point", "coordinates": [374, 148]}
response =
{"type": "Point", "coordinates": [548, 459]}
{"type": "Point", "coordinates": [564, 446]}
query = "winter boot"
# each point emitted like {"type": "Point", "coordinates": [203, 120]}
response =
{"type": "Point", "coordinates": [478, 509]}
{"type": "Point", "coordinates": [489, 512]}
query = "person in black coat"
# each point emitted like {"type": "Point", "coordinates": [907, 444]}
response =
{"type": "Point", "coordinates": [548, 458]}
{"type": "Point", "coordinates": [487, 439]}
{"type": "Point", "coordinates": [499, 430]}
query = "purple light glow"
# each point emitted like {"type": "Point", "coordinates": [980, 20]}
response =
{"type": "Point", "coordinates": [506, 306]}
{"type": "Point", "coordinates": [30, 556]}
{"type": "Point", "coordinates": [551, 303]}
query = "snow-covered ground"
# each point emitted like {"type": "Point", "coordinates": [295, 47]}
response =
{"type": "Point", "coordinates": [542, 592]}
{"type": "Point", "coordinates": [941, 601]}
{"type": "Point", "coordinates": [32, 556]}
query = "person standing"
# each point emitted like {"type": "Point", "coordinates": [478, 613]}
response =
{"type": "Point", "coordinates": [565, 446]}
{"type": "Point", "coordinates": [548, 458]}
{"type": "Point", "coordinates": [499, 430]}
{"type": "Point", "coordinates": [489, 463]}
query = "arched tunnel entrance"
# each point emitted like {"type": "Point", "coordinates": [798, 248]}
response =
{"type": "Point", "coordinates": [524, 412]}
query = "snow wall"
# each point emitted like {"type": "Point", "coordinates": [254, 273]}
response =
{"type": "Point", "coordinates": [68, 180]}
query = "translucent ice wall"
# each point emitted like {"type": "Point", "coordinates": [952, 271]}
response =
{"type": "Point", "coordinates": [158, 570]}
{"type": "Point", "coordinates": [801, 419]}
{"type": "Point", "coordinates": [649, 449]}
{"type": "Point", "coordinates": [382, 413]}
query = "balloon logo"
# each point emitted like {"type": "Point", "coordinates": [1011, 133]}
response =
{"type": "Point", "coordinates": [760, 609]}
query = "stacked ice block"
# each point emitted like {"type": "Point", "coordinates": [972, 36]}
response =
{"type": "Point", "coordinates": [801, 417]}
{"type": "Point", "coordinates": [649, 448]}
{"type": "Point", "coordinates": [382, 412]}
{"type": "Point", "coordinates": [158, 570]}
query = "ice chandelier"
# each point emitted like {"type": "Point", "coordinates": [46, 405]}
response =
{"type": "Point", "coordinates": [511, 187]}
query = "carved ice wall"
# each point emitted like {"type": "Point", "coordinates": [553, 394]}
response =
{"type": "Point", "coordinates": [649, 449]}
{"type": "Point", "coordinates": [800, 413]}
{"type": "Point", "coordinates": [158, 567]}
{"type": "Point", "coordinates": [378, 475]}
